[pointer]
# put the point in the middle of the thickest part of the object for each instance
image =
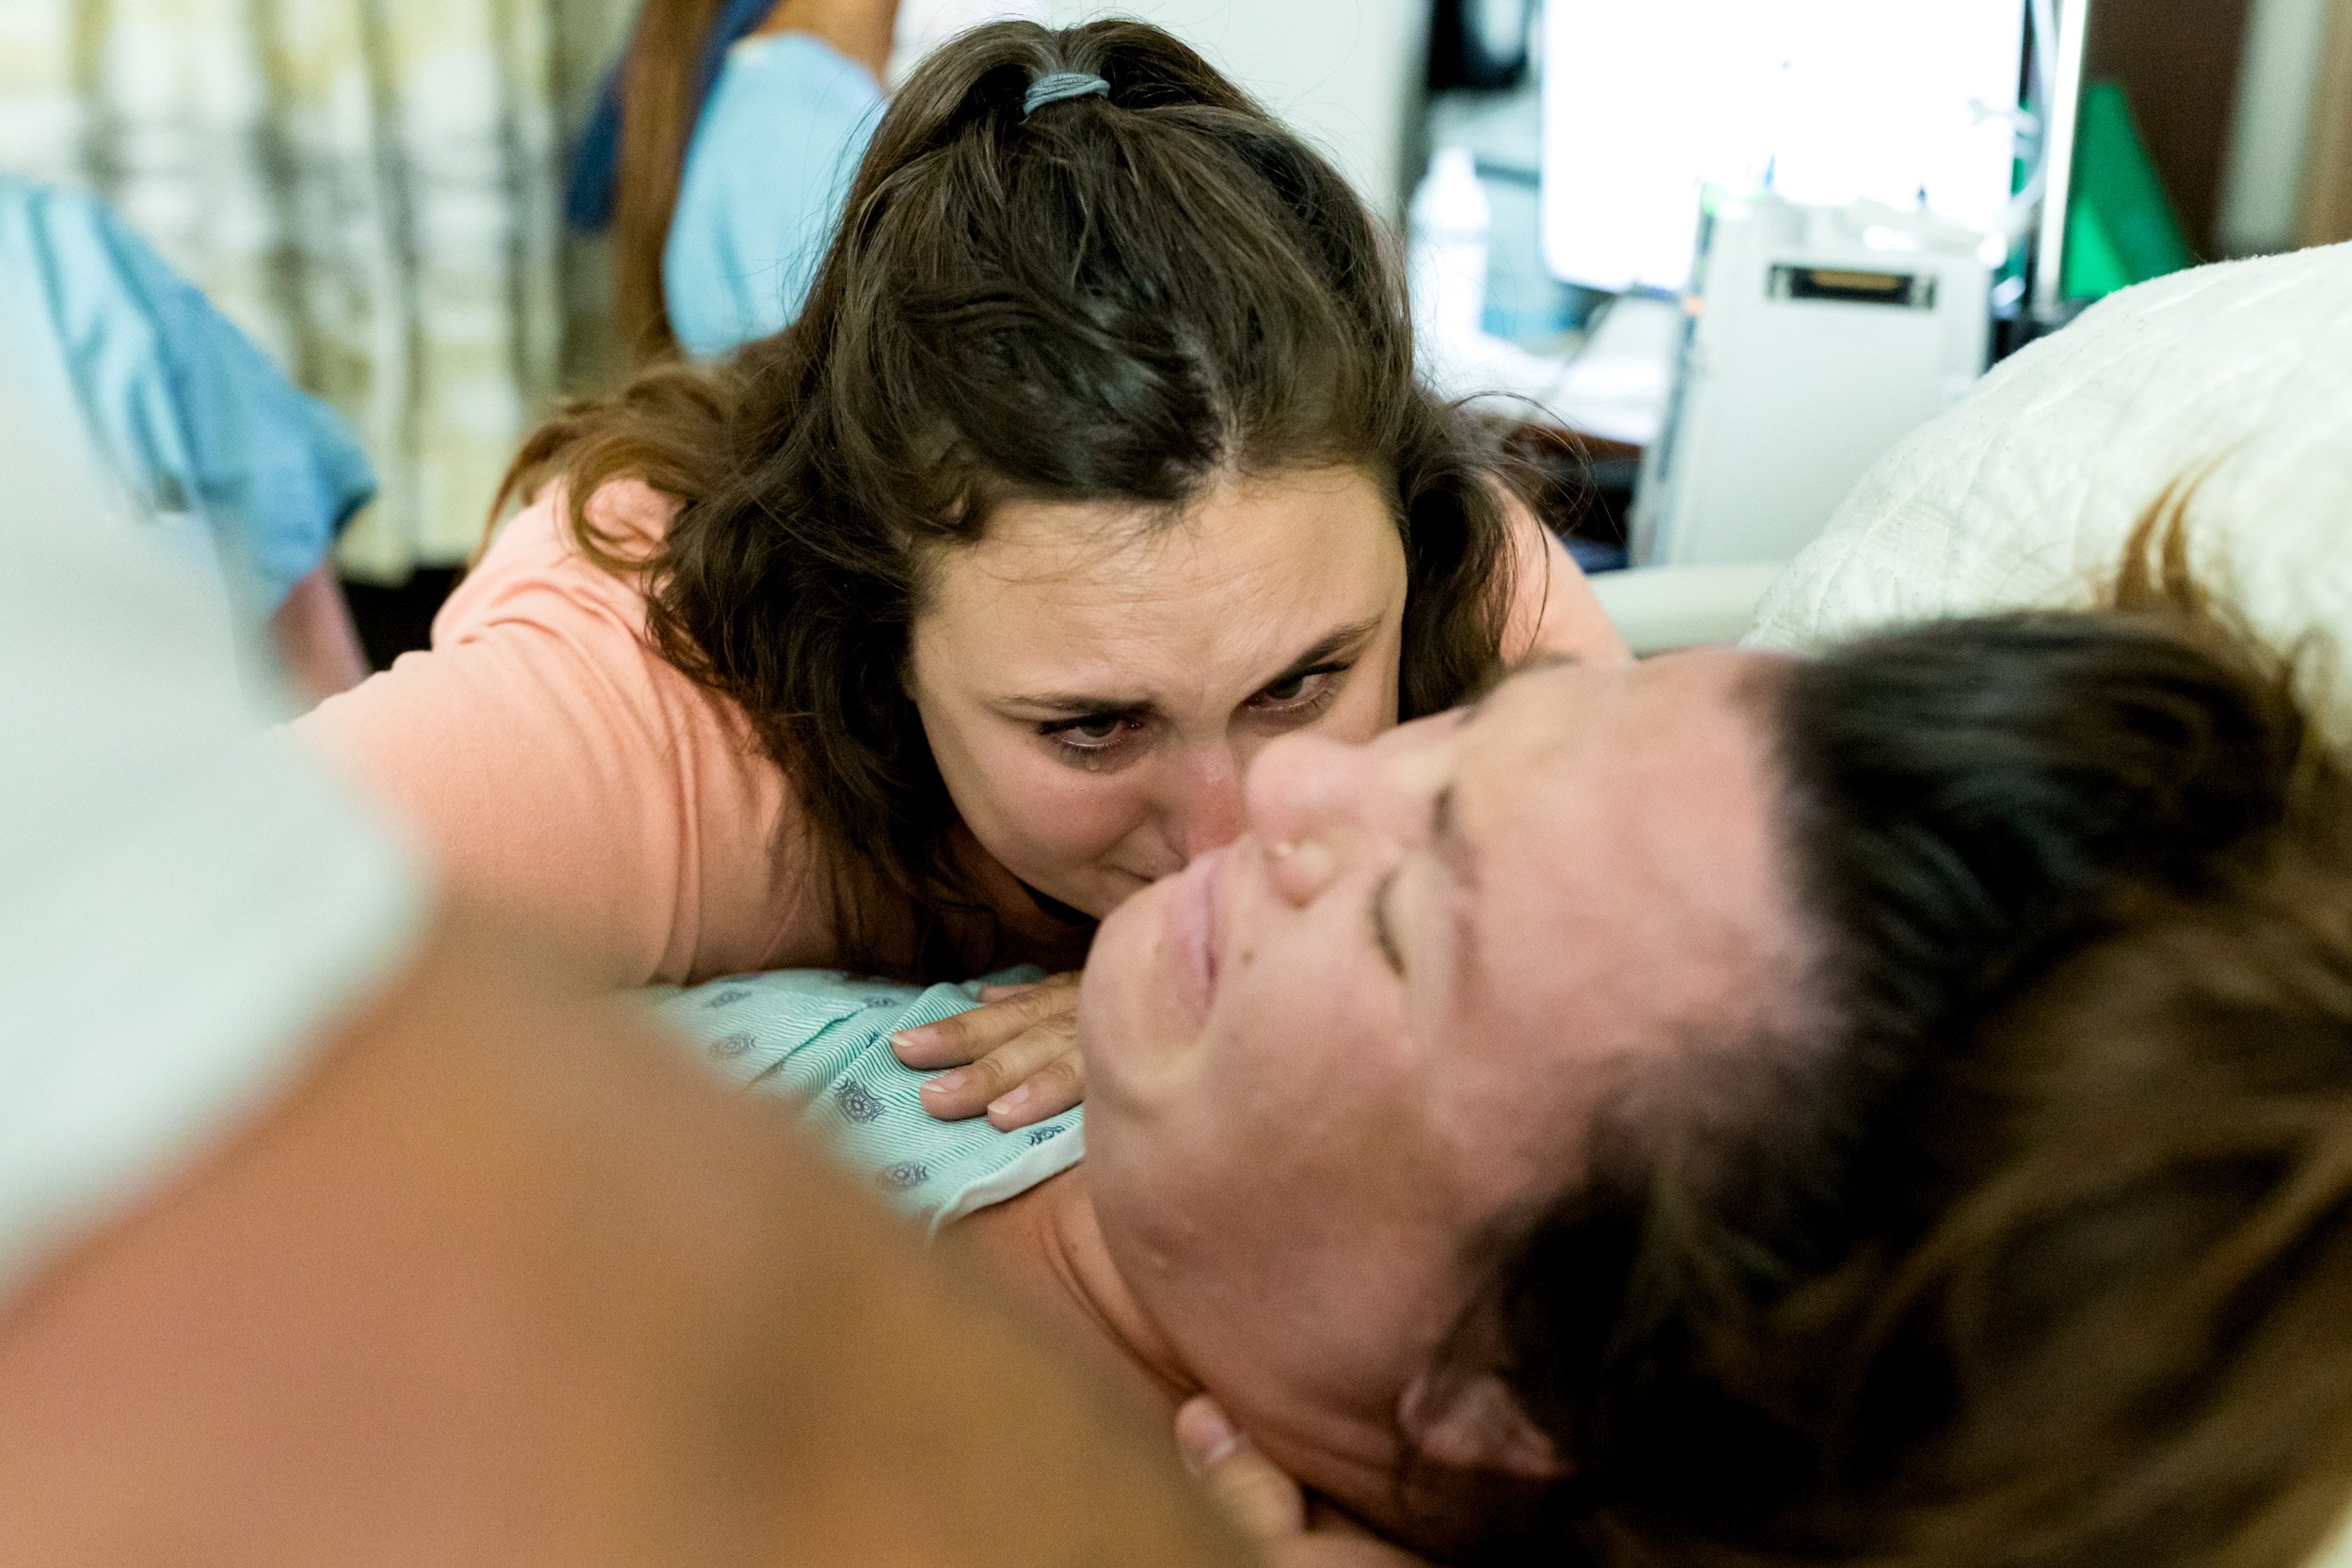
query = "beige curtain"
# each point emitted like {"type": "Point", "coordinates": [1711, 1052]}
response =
{"type": "Point", "coordinates": [370, 188]}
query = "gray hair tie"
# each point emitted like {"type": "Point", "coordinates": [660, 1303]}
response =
{"type": "Point", "coordinates": [1059, 84]}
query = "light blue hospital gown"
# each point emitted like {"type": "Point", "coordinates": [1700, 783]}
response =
{"type": "Point", "coordinates": [824, 1038]}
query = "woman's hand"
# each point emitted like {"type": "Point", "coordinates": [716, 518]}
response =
{"type": "Point", "coordinates": [1269, 1507]}
{"type": "Point", "coordinates": [1016, 1056]}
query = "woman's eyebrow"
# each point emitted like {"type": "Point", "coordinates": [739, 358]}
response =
{"type": "Point", "coordinates": [1339, 639]}
{"type": "Point", "coordinates": [1384, 934]}
{"type": "Point", "coordinates": [1078, 707]}
{"type": "Point", "coordinates": [1458, 857]}
{"type": "Point", "coordinates": [1453, 848]}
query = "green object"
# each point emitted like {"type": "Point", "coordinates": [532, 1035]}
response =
{"type": "Point", "coordinates": [2122, 229]}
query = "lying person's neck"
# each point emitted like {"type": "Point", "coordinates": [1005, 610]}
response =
{"type": "Point", "coordinates": [1048, 1245]}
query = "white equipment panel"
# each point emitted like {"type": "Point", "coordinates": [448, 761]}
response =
{"type": "Point", "coordinates": [1826, 102]}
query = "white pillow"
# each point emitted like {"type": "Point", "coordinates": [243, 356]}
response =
{"type": "Point", "coordinates": [2024, 494]}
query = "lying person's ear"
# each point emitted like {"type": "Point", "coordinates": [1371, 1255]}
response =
{"type": "Point", "coordinates": [1475, 1423]}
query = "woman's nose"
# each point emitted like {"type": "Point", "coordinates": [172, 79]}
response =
{"type": "Point", "coordinates": [1316, 804]}
{"type": "Point", "coordinates": [1204, 808]}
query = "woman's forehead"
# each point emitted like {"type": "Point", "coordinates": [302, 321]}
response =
{"type": "Point", "coordinates": [1069, 599]}
{"type": "Point", "coordinates": [1624, 824]}
{"type": "Point", "coordinates": [1231, 526]}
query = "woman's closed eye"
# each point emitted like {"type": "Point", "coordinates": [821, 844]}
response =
{"type": "Point", "coordinates": [1383, 933]}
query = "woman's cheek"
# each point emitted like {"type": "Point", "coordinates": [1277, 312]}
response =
{"type": "Point", "coordinates": [1061, 811]}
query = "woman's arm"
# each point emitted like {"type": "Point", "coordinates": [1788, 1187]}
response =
{"type": "Point", "coordinates": [557, 768]}
{"type": "Point", "coordinates": [503, 1278]}
{"type": "Point", "coordinates": [316, 638]}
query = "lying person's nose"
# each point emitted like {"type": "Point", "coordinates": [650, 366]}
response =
{"type": "Point", "coordinates": [1315, 803]}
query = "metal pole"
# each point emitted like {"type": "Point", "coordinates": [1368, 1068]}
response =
{"type": "Point", "coordinates": [2061, 118]}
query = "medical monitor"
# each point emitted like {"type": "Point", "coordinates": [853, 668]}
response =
{"type": "Point", "coordinates": [1826, 102]}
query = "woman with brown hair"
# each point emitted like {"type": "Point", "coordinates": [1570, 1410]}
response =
{"type": "Point", "coordinates": [2031, 1246]}
{"type": "Point", "coordinates": [1891, 1108]}
{"type": "Point", "coordinates": [916, 638]}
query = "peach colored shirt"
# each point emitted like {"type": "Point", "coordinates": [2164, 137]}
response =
{"type": "Point", "coordinates": [557, 768]}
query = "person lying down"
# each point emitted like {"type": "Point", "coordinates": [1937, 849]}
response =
{"type": "Point", "coordinates": [1526, 1127]}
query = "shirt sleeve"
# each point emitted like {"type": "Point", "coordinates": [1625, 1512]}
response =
{"type": "Point", "coordinates": [190, 415]}
{"type": "Point", "coordinates": [555, 766]}
{"type": "Point", "coordinates": [767, 174]}
{"type": "Point", "coordinates": [184, 901]}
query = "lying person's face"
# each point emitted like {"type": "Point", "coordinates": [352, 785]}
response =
{"type": "Point", "coordinates": [1326, 1060]}
{"type": "Point", "coordinates": [1093, 682]}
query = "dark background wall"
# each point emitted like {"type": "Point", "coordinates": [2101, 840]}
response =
{"type": "Point", "coordinates": [2178, 60]}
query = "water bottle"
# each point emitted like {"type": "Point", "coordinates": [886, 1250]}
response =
{"type": "Point", "coordinates": [1446, 269]}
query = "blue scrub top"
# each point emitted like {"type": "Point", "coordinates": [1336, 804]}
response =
{"type": "Point", "coordinates": [766, 176]}
{"type": "Point", "coordinates": [177, 404]}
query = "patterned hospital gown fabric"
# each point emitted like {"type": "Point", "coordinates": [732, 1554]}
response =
{"type": "Point", "coordinates": [824, 1037]}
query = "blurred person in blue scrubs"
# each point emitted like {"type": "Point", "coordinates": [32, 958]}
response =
{"type": "Point", "coordinates": [200, 430]}
{"type": "Point", "coordinates": [720, 158]}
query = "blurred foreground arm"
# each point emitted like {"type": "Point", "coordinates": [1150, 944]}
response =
{"type": "Point", "coordinates": [337, 1230]}
{"type": "Point", "coordinates": [505, 1279]}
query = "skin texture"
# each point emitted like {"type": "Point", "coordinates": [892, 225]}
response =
{"type": "Point", "coordinates": [508, 1280]}
{"type": "Point", "coordinates": [316, 638]}
{"type": "Point", "coordinates": [1318, 1135]}
{"type": "Point", "coordinates": [1100, 602]}
{"type": "Point", "coordinates": [1266, 1504]}
{"type": "Point", "coordinates": [862, 29]}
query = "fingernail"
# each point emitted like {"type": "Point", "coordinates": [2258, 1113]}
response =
{"type": "Point", "coordinates": [912, 1036]}
{"type": "Point", "coordinates": [1011, 1102]}
{"type": "Point", "coordinates": [1208, 1438]}
{"type": "Point", "coordinates": [947, 1083]}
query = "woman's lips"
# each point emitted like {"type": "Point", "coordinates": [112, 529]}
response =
{"type": "Point", "coordinates": [1192, 929]}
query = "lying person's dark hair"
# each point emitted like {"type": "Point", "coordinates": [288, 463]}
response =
{"type": "Point", "coordinates": [2034, 1245]}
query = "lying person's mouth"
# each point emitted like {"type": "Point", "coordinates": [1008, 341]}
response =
{"type": "Point", "coordinates": [1192, 928]}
